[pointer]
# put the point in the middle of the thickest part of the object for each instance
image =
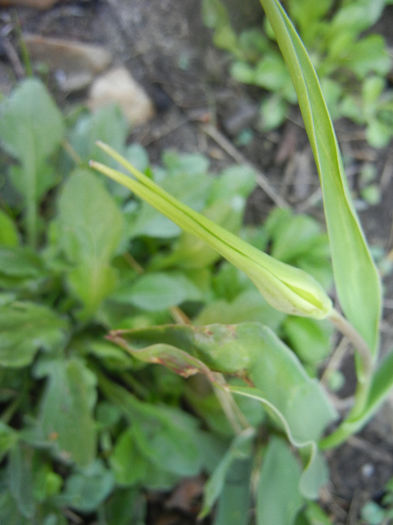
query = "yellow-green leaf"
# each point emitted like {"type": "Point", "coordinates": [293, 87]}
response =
{"type": "Point", "coordinates": [356, 277]}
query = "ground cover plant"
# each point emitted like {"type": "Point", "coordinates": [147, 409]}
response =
{"type": "Point", "coordinates": [352, 64]}
{"type": "Point", "coordinates": [68, 394]}
{"type": "Point", "coordinates": [89, 425]}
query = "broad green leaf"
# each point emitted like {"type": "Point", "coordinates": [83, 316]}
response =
{"type": "Point", "coordinates": [307, 14]}
{"type": "Point", "coordinates": [271, 73]}
{"type": "Point", "coordinates": [235, 182]}
{"type": "Point", "coordinates": [309, 339]}
{"type": "Point", "coordinates": [31, 128]}
{"type": "Point", "coordinates": [107, 353]}
{"type": "Point", "coordinates": [278, 496]}
{"type": "Point", "coordinates": [315, 515]}
{"type": "Point", "coordinates": [356, 277]}
{"type": "Point", "coordinates": [107, 124]}
{"type": "Point", "coordinates": [158, 291]}
{"type": "Point", "coordinates": [124, 507]}
{"type": "Point", "coordinates": [234, 503]}
{"type": "Point", "coordinates": [137, 155]}
{"type": "Point", "coordinates": [286, 288]}
{"type": "Point", "coordinates": [167, 437]}
{"type": "Point", "coordinates": [9, 235]}
{"type": "Point", "coordinates": [369, 55]}
{"type": "Point", "coordinates": [91, 227]}
{"type": "Point", "coordinates": [87, 489]}
{"type": "Point", "coordinates": [294, 400]}
{"type": "Point", "coordinates": [65, 415]}
{"type": "Point", "coordinates": [9, 510]}
{"type": "Point", "coordinates": [240, 449]}
{"type": "Point", "coordinates": [46, 482]}
{"type": "Point", "coordinates": [248, 306]}
{"type": "Point", "coordinates": [25, 328]}
{"type": "Point", "coordinates": [243, 72]}
{"type": "Point", "coordinates": [216, 17]}
{"type": "Point", "coordinates": [8, 438]}
{"type": "Point", "coordinates": [186, 164]}
{"type": "Point", "coordinates": [127, 464]}
{"type": "Point", "coordinates": [149, 223]}
{"type": "Point", "coordinates": [20, 268]}
{"type": "Point", "coordinates": [273, 110]}
{"type": "Point", "coordinates": [20, 476]}
{"type": "Point", "coordinates": [293, 236]}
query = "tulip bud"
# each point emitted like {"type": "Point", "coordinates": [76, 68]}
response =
{"type": "Point", "coordinates": [285, 287]}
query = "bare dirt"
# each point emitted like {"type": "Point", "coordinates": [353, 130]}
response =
{"type": "Point", "coordinates": [199, 108]}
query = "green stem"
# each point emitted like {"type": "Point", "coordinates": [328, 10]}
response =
{"type": "Point", "coordinates": [231, 410]}
{"type": "Point", "coordinates": [366, 361]}
{"type": "Point", "coordinates": [364, 372]}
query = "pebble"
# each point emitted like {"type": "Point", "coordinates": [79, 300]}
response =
{"type": "Point", "coordinates": [117, 86]}
{"type": "Point", "coordinates": [38, 4]}
{"type": "Point", "coordinates": [74, 63]}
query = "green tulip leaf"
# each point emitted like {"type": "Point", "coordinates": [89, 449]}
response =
{"type": "Point", "coordinates": [356, 277]}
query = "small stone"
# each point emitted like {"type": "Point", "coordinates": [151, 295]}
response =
{"type": "Point", "coordinates": [37, 4]}
{"type": "Point", "coordinates": [117, 86]}
{"type": "Point", "coordinates": [367, 470]}
{"type": "Point", "coordinates": [74, 63]}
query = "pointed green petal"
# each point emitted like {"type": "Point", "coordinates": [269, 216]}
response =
{"type": "Point", "coordinates": [288, 289]}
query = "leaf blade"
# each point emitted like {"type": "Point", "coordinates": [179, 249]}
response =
{"type": "Point", "coordinates": [356, 277]}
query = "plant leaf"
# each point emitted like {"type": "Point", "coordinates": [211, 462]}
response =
{"type": "Point", "coordinates": [240, 449]}
{"type": "Point", "coordinates": [20, 476]}
{"type": "Point", "coordinates": [87, 489]}
{"type": "Point", "coordinates": [278, 496]}
{"type": "Point", "coordinates": [25, 328]}
{"type": "Point", "coordinates": [356, 277]}
{"type": "Point", "coordinates": [294, 400]}
{"type": "Point", "coordinates": [233, 506]}
{"type": "Point", "coordinates": [31, 128]}
{"type": "Point", "coordinates": [381, 385]}
{"type": "Point", "coordinates": [9, 235]}
{"type": "Point", "coordinates": [167, 437]}
{"type": "Point", "coordinates": [158, 291]}
{"type": "Point", "coordinates": [91, 229]}
{"type": "Point", "coordinates": [66, 409]}
{"type": "Point", "coordinates": [127, 464]}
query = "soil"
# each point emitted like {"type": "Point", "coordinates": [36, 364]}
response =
{"type": "Point", "coordinates": [169, 51]}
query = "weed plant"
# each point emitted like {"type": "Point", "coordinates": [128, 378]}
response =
{"type": "Point", "coordinates": [91, 421]}
{"type": "Point", "coordinates": [351, 62]}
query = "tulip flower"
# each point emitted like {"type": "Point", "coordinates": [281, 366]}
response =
{"type": "Point", "coordinates": [285, 287]}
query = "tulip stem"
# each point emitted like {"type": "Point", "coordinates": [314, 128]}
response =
{"type": "Point", "coordinates": [356, 339]}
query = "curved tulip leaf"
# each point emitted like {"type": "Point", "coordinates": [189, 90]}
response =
{"type": "Point", "coordinates": [381, 385]}
{"type": "Point", "coordinates": [356, 277]}
{"type": "Point", "coordinates": [287, 288]}
{"type": "Point", "coordinates": [253, 352]}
